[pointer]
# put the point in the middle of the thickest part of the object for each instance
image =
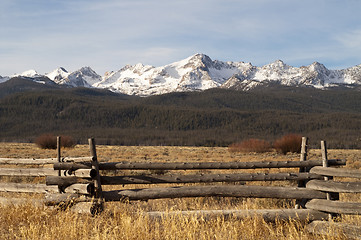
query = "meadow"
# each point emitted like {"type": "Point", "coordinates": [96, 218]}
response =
{"type": "Point", "coordinates": [126, 220]}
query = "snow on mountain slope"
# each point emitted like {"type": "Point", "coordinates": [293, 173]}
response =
{"type": "Point", "coordinates": [276, 71]}
{"type": "Point", "coordinates": [58, 74]}
{"type": "Point", "coordinates": [197, 72]}
{"type": "Point", "coordinates": [30, 73]}
{"type": "Point", "coordinates": [129, 80]}
{"type": "Point", "coordinates": [3, 79]}
{"type": "Point", "coordinates": [84, 77]}
{"type": "Point", "coordinates": [200, 72]}
{"type": "Point", "coordinates": [315, 75]}
{"type": "Point", "coordinates": [350, 75]}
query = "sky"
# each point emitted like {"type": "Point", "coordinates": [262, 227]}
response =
{"type": "Point", "coordinates": [109, 34]}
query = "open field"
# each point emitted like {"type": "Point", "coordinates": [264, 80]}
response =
{"type": "Point", "coordinates": [124, 221]}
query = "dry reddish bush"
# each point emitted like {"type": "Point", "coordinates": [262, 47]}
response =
{"type": "Point", "coordinates": [67, 142]}
{"type": "Point", "coordinates": [250, 145]}
{"type": "Point", "coordinates": [48, 141]}
{"type": "Point", "coordinates": [288, 143]}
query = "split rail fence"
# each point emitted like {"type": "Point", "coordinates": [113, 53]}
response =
{"type": "Point", "coordinates": [28, 175]}
{"type": "Point", "coordinates": [75, 181]}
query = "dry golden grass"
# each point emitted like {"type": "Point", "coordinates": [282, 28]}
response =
{"type": "Point", "coordinates": [122, 220]}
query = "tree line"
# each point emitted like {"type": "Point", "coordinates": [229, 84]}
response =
{"type": "Point", "coordinates": [216, 117]}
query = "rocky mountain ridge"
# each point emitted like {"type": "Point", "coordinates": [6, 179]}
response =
{"type": "Point", "coordinates": [199, 72]}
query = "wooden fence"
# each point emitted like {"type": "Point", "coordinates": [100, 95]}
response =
{"type": "Point", "coordinates": [78, 180]}
{"type": "Point", "coordinates": [18, 171]}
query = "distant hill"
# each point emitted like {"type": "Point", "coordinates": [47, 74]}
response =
{"type": "Point", "coordinates": [216, 117]}
{"type": "Point", "coordinates": [24, 84]}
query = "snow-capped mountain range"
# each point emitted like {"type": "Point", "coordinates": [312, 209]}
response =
{"type": "Point", "coordinates": [200, 72]}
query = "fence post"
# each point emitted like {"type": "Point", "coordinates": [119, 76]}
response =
{"type": "Point", "coordinates": [325, 163]}
{"type": "Point", "coordinates": [330, 196]}
{"type": "Point", "coordinates": [302, 183]}
{"type": "Point", "coordinates": [97, 206]}
{"type": "Point", "coordinates": [58, 151]}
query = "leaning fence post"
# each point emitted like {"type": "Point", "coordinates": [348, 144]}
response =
{"type": "Point", "coordinates": [302, 183]}
{"type": "Point", "coordinates": [98, 201]}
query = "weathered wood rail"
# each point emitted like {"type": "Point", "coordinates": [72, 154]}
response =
{"type": "Point", "coordinates": [81, 180]}
{"type": "Point", "coordinates": [195, 166]}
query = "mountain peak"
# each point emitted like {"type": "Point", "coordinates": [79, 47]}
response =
{"type": "Point", "coordinates": [86, 69]}
{"type": "Point", "coordinates": [277, 64]}
{"type": "Point", "coordinates": [317, 64]}
{"type": "Point", "coordinates": [200, 72]}
{"type": "Point", "coordinates": [199, 60]}
{"type": "Point", "coordinates": [318, 67]}
{"type": "Point", "coordinates": [200, 57]}
{"type": "Point", "coordinates": [28, 73]}
{"type": "Point", "coordinates": [84, 77]}
{"type": "Point", "coordinates": [63, 69]}
{"type": "Point", "coordinates": [58, 74]}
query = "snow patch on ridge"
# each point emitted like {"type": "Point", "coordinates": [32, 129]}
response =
{"type": "Point", "coordinates": [29, 73]}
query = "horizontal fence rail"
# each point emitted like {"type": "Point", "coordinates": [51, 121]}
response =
{"type": "Point", "coordinates": [29, 172]}
{"type": "Point", "coordinates": [332, 186]}
{"type": "Point", "coordinates": [196, 165]}
{"type": "Point", "coordinates": [205, 178]}
{"type": "Point", "coordinates": [337, 172]}
{"type": "Point", "coordinates": [215, 190]}
{"type": "Point", "coordinates": [353, 208]}
{"type": "Point", "coordinates": [323, 228]}
{"type": "Point", "coordinates": [27, 188]}
{"type": "Point", "coordinates": [45, 172]}
{"type": "Point", "coordinates": [190, 178]}
{"type": "Point", "coordinates": [197, 191]}
{"type": "Point", "coordinates": [33, 161]}
{"type": "Point", "coordinates": [43, 188]}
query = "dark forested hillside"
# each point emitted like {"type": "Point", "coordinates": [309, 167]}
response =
{"type": "Point", "coordinates": [214, 117]}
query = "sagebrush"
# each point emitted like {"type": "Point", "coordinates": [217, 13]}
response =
{"type": "Point", "coordinates": [288, 143]}
{"type": "Point", "coordinates": [49, 141]}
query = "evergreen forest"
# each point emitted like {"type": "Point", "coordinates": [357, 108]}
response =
{"type": "Point", "coordinates": [216, 117]}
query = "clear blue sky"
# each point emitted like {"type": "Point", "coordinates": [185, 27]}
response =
{"type": "Point", "coordinates": [108, 34]}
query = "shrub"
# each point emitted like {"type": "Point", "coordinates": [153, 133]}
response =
{"type": "Point", "coordinates": [251, 145]}
{"type": "Point", "coordinates": [49, 141]}
{"type": "Point", "coordinates": [67, 142]}
{"type": "Point", "coordinates": [288, 143]}
{"type": "Point", "coordinates": [46, 141]}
